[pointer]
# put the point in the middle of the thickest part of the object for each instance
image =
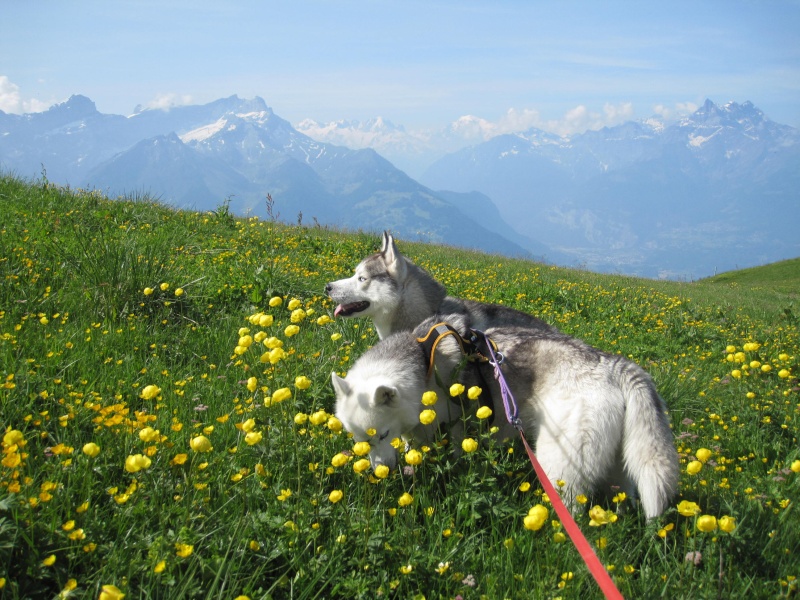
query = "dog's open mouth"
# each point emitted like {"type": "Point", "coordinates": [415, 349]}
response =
{"type": "Point", "coordinates": [346, 310]}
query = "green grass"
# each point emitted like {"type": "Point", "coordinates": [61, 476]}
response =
{"type": "Point", "coordinates": [81, 341]}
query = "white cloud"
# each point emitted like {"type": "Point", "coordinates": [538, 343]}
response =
{"type": "Point", "coordinates": [11, 101]}
{"type": "Point", "coordinates": [575, 120]}
{"type": "Point", "coordinates": [168, 100]}
{"type": "Point", "coordinates": [673, 113]}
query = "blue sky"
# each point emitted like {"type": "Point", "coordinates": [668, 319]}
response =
{"type": "Point", "coordinates": [560, 65]}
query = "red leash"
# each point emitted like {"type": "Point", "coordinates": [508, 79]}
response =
{"type": "Point", "coordinates": [596, 568]}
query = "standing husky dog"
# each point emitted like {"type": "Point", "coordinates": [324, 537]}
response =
{"type": "Point", "coordinates": [399, 295]}
{"type": "Point", "coordinates": [595, 419]}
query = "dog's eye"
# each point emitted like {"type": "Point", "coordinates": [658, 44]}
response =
{"type": "Point", "coordinates": [384, 435]}
{"type": "Point", "coordinates": [362, 279]}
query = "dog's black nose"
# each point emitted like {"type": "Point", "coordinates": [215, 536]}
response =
{"type": "Point", "coordinates": [328, 288]}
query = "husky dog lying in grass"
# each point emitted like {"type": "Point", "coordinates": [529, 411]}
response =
{"type": "Point", "coordinates": [594, 419]}
{"type": "Point", "coordinates": [398, 295]}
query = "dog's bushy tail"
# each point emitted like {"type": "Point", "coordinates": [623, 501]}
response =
{"type": "Point", "coordinates": [650, 458]}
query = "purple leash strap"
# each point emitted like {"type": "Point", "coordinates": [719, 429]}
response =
{"type": "Point", "coordinates": [509, 402]}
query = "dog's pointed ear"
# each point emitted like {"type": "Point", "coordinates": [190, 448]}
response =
{"type": "Point", "coordinates": [384, 395]}
{"type": "Point", "coordinates": [385, 241]}
{"type": "Point", "coordinates": [395, 262]}
{"type": "Point", "coordinates": [340, 386]}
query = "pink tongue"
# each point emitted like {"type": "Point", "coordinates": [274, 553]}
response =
{"type": "Point", "coordinates": [337, 311]}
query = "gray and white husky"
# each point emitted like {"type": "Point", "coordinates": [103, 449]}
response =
{"type": "Point", "coordinates": [398, 295]}
{"type": "Point", "coordinates": [595, 419]}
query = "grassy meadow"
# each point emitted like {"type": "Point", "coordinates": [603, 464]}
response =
{"type": "Point", "coordinates": [167, 428]}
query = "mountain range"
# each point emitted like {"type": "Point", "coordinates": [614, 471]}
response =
{"type": "Point", "coordinates": [719, 189]}
{"type": "Point", "coordinates": [715, 191]}
{"type": "Point", "coordinates": [198, 156]}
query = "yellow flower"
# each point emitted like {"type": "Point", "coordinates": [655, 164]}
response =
{"type": "Point", "coordinates": [662, 533]}
{"type": "Point", "coordinates": [795, 467]}
{"type": "Point", "coordinates": [456, 389]}
{"type": "Point", "coordinates": [49, 561]}
{"type": "Point", "coordinates": [335, 496]}
{"type": "Point", "coordinates": [706, 523]}
{"type": "Point", "coordinates": [179, 459]}
{"type": "Point", "coordinates": [427, 416]}
{"type": "Point", "coordinates": [727, 524]}
{"type": "Point", "coordinates": [405, 499]}
{"type": "Point", "coordinates": [136, 462]}
{"type": "Point", "coordinates": [281, 395]}
{"type": "Point", "coordinates": [536, 518]}
{"type": "Point", "coordinates": [694, 467]}
{"type": "Point", "coordinates": [148, 434]}
{"type": "Point", "coordinates": [253, 437]}
{"type": "Point", "coordinates": [783, 373]}
{"type": "Point", "coordinates": [302, 382]}
{"type": "Point", "coordinates": [688, 509]}
{"type": "Point", "coordinates": [413, 457]}
{"type": "Point", "coordinates": [334, 424]}
{"type": "Point", "coordinates": [484, 412]}
{"type": "Point", "coordinates": [91, 449]}
{"type": "Point", "coordinates": [318, 417]}
{"type": "Point", "coordinates": [179, 291]}
{"type": "Point", "coordinates": [469, 445]}
{"type": "Point", "coordinates": [164, 287]}
{"type": "Point", "coordinates": [474, 392]}
{"type": "Point", "coordinates": [150, 392]}
{"type": "Point", "coordinates": [381, 471]}
{"type": "Point", "coordinates": [201, 444]}
{"type": "Point", "coordinates": [524, 486]}
{"type": "Point", "coordinates": [559, 537]}
{"type": "Point", "coordinates": [14, 437]}
{"type": "Point", "coordinates": [294, 304]}
{"type": "Point", "coordinates": [183, 550]}
{"type": "Point", "coordinates": [291, 330]}
{"type": "Point", "coordinates": [598, 516]}
{"type": "Point", "coordinates": [361, 465]}
{"type": "Point", "coordinates": [159, 568]}
{"type": "Point", "coordinates": [297, 315]}
{"type": "Point", "coordinates": [275, 301]}
{"type": "Point", "coordinates": [248, 425]}
{"type": "Point", "coordinates": [110, 592]}
{"type": "Point", "coordinates": [339, 460]}
{"type": "Point", "coordinates": [254, 546]}
{"type": "Point", "coordinates": [703, 454]}
{"type": "Point", "coordinates": [361, 448]}
{"type": "Point", "coordinates": [252, 384]}
{"type": "Point", "coordinates": [429, 398]}
{"type": "Point", "coordinates": [148, 291]}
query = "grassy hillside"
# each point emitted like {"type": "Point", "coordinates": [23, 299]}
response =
{"type": "Point", "coordinates": [166, 421]}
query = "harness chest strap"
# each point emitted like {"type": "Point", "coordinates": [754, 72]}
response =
{"type": "Point", "coordinates": [470, 348]}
